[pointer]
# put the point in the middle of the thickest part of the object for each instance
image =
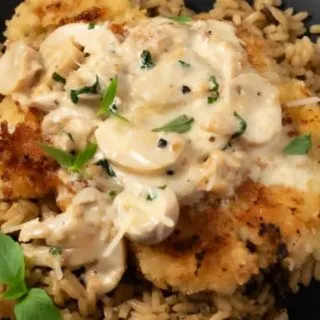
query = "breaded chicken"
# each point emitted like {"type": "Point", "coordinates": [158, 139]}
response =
{"type": "Point", "coordinates": [25, 171]}
{"type": "Point", "coordinates": [220, 247]}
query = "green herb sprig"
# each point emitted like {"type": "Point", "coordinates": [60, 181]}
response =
{"type": "Point", "coordinates": [213, 90]}
{"type": "Point", "coordinates": [31, 304]}
{"type": "Point", "coordinates": [181, 124]}
{"type": "Point", "coordinates": [105, 164]}
{"type": "Point", "coordinates": [181, 19]}
{"type": "Point", "coordinates": [67, 160]}
{"type": "Point", "coordinates": [56, 77]}
{"type": "Point", "coordinates": [184, 64]}
{"type": "Point", "coordinates": [299, 146]}
{"type": "Point", "coordinates": [108, 107]}
{"type": "Point", "coordinates": [146, 60]}
{"type": "Point", "coordinates": [75, 93]}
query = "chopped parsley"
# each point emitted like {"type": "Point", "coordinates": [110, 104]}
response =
{"type": "Point", "coordinates": [299, 146]}
{"type": "Point", "coordinates": [67, 160]}
{"type": "Point", "coordinates": [112, 193]}
{"type": "Point", "coordinates": [75, 93]}
{"type": "Point", "coordinates": [108, 106]}
{"type": "Point", "coordinates": [104, 163]}
{"type": "Point", "coordinates": [91, 25]}
{"type": "Point", "coordinates": [151, 196]}
{"type": "Point", "coordinates": [184, 64]}
{"type": "Point", "coordinates": [242, 126]}
{"type": "Point", "coordinates": [181, 19]}
{"type": "Point", "coordinates": [163, 187]}
{"type": "Point", "coordinates": [29, 303]}
{"type": "Point", "coordinates": [146, 61]}
{"type": "Point", "coordinates": [181, 124]}
{"type": "Point", "coordinates": [56, 77]}
{"type": "Point", "coordinates": [55, 251]}
{"type": "Point", "coordinates": [213, 90]}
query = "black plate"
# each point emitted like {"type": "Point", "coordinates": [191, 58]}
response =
{"type": "Point", "coordinates": [305, 305]}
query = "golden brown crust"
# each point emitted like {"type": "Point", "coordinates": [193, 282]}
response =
{"type": "Point", "coordinates": [221, 248]}
{"type": "Point", "coordinates": [25, 171]}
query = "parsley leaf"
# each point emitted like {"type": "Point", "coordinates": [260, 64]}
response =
{"type": "Point", "coordinates": [68, 160]}
{"type": "Point", "coordinates": [37, 305]}
{"type": "Point", "coordinates": [163, 187]}
{"type": "Point", "coordinates": [91, 25]}
{"type": "Point", "coordinates": [151, 196]}
{"type": "Point", "coordinates": [64, 158]}
{"type": "Point", "coordinates": [299, 146]}
{"type": "Point", "coordinates": [84, 157]}
{"type": "Point", "coordinates": [184, 64]}
{"type": "Point", "coordinates": [181, 19]}
{"type": "Point", "coordinates": [214, 90]}
{"type": "Point", "coordinates": [146, 61]}
{"type": "Point", "coordinates": [56, 77]}
{"type": "Point", "coordinates": [181, 124]}
{"type": "Point", "coordinates": [112, 193]}
{"type": "Point", "coordinates": [242, 126]}
{"type": "Point", "coordinates": [104, 163]}
{"type": "Point", "coordinates": [55, 251]}
{"type": "Point", "coordinates": [75, 93]}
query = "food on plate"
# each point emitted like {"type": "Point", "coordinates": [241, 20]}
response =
{"type": "Point", "coordinates": [162, 167]}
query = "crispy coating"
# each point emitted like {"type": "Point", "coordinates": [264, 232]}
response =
{"type": "Point", "coordinates": [220, 248]}
{"type": "Point", "coordinates": [25, 171]}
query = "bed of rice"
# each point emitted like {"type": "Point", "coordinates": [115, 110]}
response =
{"type": "Point", "coordinates": [297, 57]}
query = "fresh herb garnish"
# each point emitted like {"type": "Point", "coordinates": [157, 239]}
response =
{"type": "Point", "coordinates": [214, 90]}
{"type": "Point", "coordinates": [239, 132]}
{"type": "Point", "coordinates": [184, 64]}
{"type": "Point", "coordinates": [151, 196]}
{"type": "Point", "coordinates": [242, 126]}
{"type": "Point", "coordinates": [55, 251]}
{"type": "Point", "coordinates": [146, 61]}
{"type": "Point", "coordinates": [56, 77]}
{"type": "Point", "coordinates": [75, 93]}
{"type": "Point", "coordinates": [91, 25]}
{"type": "Point", "coordinates": [163, 187]}
{"type": "Point", "coordinates": [181, 124]}
{"type": "Point", "coordinates": [299, 146]}
{"type": "Point", "coordinates": [104, 163]}
{"type": "Point", "coordinates": [112, 193]}
{"type": "Point", "coordinates": [181, 19]}
{"type": "Point", "coordinates": [36, 305]}
{"type": "Point", "coordinates": [108, 106]}
{"type": "Point", "coordinates": [30, 304]}
{"type": "Point", "coordinates": [68, 160]}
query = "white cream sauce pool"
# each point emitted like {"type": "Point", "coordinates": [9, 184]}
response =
{"type": "Point", "coordinates": [195, 72]}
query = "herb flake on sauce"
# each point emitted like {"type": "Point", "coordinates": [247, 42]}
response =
{"type": "Point", "coordinates": [299, 146]}
{"type": "Point", "coordinates": [75, 93]}
{"type": "Point", "coordinates": [181, 19]}
{"type": "Point", "coordinates": [146, 60]}
{"type": "Point", "coordinates": [213, 90]}
{"type": "Point", "coordinates": [181, 124]}
{"type": "Point", "coordinates": [56, 77]}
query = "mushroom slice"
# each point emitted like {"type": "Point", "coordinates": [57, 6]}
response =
{"type": "Point", "coordinates": [138, 149]}
{"type": "Point", "coordinates": [147, 216]}
{"type": "Point", "coordinates": [18, 67]}
{"type": "Point", "coordinates": [257, 102]}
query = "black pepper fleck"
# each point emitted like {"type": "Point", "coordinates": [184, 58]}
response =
{"type": "Point", "coordinates": [170, 172]}
{"type": "Point", "coordinates": [162, 143]}
{"type": "Point", "coordinates": [185, 89]}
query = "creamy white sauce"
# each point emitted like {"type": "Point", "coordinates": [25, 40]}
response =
{"type": "Point", "coordinates": [185, 57]}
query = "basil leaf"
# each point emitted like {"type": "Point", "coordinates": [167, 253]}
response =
{"type": "Point", "coordinates": [104, 163]}
{"type": "Point", "coordinates": [75, 93]}
{"type": "Point", "coordinates": [214, 90]}
{"type": "Point", "coordinates": [55, 251]}
{"type": "Point", "coordinates": [84, 156]}
{"type": "Point", "coordinates": [242, 126]}
{"type": "Point", "coordinates": [11, 261]}
{"type": "Point", "coordinates": [299, 146]}
{"type": "Point", "coordinates": [64, 158]}
{"type": "Point", "coordinates": [181, 124]}
{"type": "Point", "coordinates": [108, 97]}
{"type": "Point", "coordinates": [146, 61]}
{"type": "Point", "coordinates": [56, 77]}
{"type": "Point", "coordinates": [16, 291]}
{"type": "Point", "coordinates": [37, 305]}
{"type": "Point", "coordinates": [184, 64]}
{"type": "Point", "coordinates": [91, 25]}
{"type": "Point", "coordinates": [181, 19]}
